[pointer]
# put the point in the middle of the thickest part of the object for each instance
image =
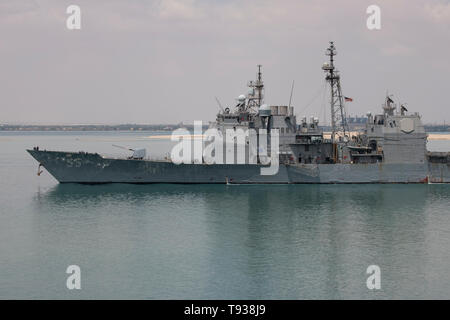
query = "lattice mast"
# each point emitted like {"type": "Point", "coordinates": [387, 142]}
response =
{"type": "Point", "coordinates": [255, 96]}
{"type": "Point", "coordinates": [339, 126]}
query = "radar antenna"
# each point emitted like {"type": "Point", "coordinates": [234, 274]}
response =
{"type": "Point", "coordinates": [220, 105]}
{"type": "Point", "coordinates": [290, 98]}
{"type": "Point", "coordinates": [339, 126]}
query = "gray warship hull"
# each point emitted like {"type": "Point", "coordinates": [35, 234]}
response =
{"type": "Point", "coordinates": [91, 168]}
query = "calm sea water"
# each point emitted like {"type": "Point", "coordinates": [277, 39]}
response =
{"type": "Point", "coordinates": [213, 241]}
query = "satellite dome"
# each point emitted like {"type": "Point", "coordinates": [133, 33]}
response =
{"type": "Point", "coordinates": [241, 98]}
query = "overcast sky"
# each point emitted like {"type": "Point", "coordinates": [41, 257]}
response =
{"type": "Point", "coordinates": [164, 61]}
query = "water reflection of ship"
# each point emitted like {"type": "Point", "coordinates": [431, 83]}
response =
{"type": "Point", "coordinates": [313, 238]}
{"type": "Point", "coordinates": [300, 196]}
{"type": "Point", "coordinates": [313, 241]}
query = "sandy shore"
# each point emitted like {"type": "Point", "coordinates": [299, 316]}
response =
{"type": "Point", "coordinates": [437, 136]}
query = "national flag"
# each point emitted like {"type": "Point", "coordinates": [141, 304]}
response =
{"type": "Point", "coordinates": [347, 99]}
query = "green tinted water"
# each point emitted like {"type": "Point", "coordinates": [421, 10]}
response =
{"type": "Point", "coordinates": [213, 241]}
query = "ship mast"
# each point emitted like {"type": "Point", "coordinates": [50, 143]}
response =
{"type": "Point", "coordinates": [339, 127]}
{"type": "Point", "coordinates": [256, 96]}
{"type": "Point", "coordinates": [259, 85]}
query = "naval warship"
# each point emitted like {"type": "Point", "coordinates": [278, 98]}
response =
{"type": "Point", "coordinates": [390, 149]}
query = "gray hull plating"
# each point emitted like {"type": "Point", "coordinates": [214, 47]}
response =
{"type": "Point", "coordinates": [69, 167]}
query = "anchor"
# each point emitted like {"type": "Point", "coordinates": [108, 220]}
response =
{"type": "Point", "coordinates": [39, 169]}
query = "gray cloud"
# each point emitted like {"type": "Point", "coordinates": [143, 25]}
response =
{"type": "Point", "coordinates": [164, 61]}
{"type": "Point", "coordinates": [13, 7]}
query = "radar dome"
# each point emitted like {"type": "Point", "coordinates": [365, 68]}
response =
{"type": "Point", "coordinates": [241, 98]}
{"type": "Point", "coordinates": [326, 66]}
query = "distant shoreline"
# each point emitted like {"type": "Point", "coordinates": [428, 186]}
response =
{"type": "Point", "coordinates": [147, 127]}
{"type": "Point", "coordinates": [93, 127]}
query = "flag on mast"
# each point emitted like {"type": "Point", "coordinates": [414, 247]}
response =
{"type": "Point", "coordinates": [347, 99]}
